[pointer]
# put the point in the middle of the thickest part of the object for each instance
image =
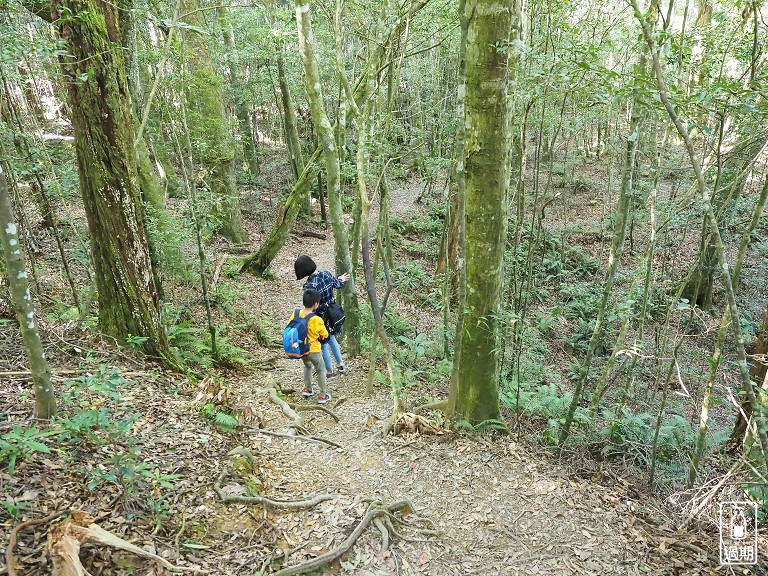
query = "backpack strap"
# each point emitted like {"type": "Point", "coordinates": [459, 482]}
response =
{"type": "Point", "coordinates": [307, 317]}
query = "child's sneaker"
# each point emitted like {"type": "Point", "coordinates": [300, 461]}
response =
{"type": "Point", "coordinates": [341, 368]}
{"type": "Point", "coordinates": [331, 373]}
{"type": "Point", "coordinates": [307, 392]}
{"type": "Point", "coordinates": [324, 398]}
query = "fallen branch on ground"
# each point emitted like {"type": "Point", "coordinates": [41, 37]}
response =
{"type": "Point", "coordinates": [265, 501]}
{"type": "Point", "coordinates": [10, 560]}
{"type": "Point", "coordinates": [377, 514]}
{"type": "Point", "coordinates": [66, 537]}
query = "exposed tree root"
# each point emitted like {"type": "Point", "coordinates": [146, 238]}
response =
{"type": "Point", "coordinates": [297, 423]}
{"type": "Point", "coordinates": [298, 434]}
{"type": "Point", "coordinates": [377, 514]}
{"type": "Point", "coordinates": [268, 502]}
{"type": "Point", "coordinates": [411, 423]}
{"type": "Point", "coordinates": [309, 408]}
{"type": "Point", "coordinates": [66, 537]}
{"type": "Point", "coordinates": [389, 424]}
{"type": "Point", "coordinates": [441, 405]}
{"type": "Point", "coordinates": [284, 406]}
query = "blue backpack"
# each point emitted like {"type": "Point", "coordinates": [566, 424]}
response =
{"type": "Point", "coordinates": [295, 339]}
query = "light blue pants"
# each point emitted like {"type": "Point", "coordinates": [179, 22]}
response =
{"type": "Point", "coordinates": [331, 346]}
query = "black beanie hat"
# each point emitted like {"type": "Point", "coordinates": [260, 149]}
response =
{"type": "Point", "coordinates": [304, 266]}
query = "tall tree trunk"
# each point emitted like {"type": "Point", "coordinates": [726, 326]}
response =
{"type": "Point", "coordinates": [45, 401]}
{"type": "Point", "coordinates": [486, 164]}
{"type": "Point", "coordinates": [289, 114]}
{"type": "Point", "coordinates": [98, 96]}
{"type": "Point", "coordinates": [247, 135]}
{"type": "Point", "coordinates": [210, 128]}
{"type": "Point", "coordinates": [449, 261]}
{"type": "Point", "coordinates": [331, 161]}
{"type": "Point", "coordinates": [456, 221]}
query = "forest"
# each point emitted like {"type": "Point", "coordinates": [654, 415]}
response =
{"type": "Point", "coordinates": [545, 224]}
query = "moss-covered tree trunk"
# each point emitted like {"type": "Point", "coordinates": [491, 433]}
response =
{"type": "Point", "coordinates": [332, 169]}
{"type": "Point", "coordinates": [486, 165]}
{"type": "Point", "coordinates": [101, 118]}
{"type": "Point", "coordinates": [247, 135]}
{"type": "Point", "coordinates": [289, 115]}
{"type": "Point", "coordinates": [259, 261]}
{"type": "Point", "coordinates": [210, 127]}
{"type": "Point", "coordinates": [45, 401]}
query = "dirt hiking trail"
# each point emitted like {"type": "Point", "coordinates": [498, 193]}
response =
{"type": "Point", "coordinates": [493, 506]}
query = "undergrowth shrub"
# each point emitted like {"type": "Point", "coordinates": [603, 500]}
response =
{"type": "Point", "coordinates": [96, 411]}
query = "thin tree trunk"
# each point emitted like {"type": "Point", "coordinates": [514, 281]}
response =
{"type": "Point", "coordinates": [289, 111]}
{"type": "Point", "coordinates": [617, 249]}
{"type": "Point", "coordinates": [45, 401]}
{"type": "Point", "coordinates": [457, 227]}
{"type": "Point", "coordinates": [41, 195]}
{"type": "Point", "coordinates": [289, 117]}
{"type": "Point", "coordinates": [364, 121]}
{"type": "Point", "coordinates": [247, 135]}
{"type": "Point", "coordinates": [331, 161]}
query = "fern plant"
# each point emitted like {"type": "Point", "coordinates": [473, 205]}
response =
{"type": "Point", "coordinates": [226, 422]}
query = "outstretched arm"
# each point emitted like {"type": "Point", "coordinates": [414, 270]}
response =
{"type": "Point", "coordinates": [341, 280]}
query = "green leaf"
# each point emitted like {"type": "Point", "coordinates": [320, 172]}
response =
{"type": "Point", "coordinates": [194, 546]}
{"type": "Point", "coordinates": [38, 446]}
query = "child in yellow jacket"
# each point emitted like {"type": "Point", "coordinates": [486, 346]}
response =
{"type": "Point", "coordinates": [316, 332]}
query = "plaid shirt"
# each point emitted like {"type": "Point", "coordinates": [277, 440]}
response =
{"type": "Point", "coordinates": [324, 282]}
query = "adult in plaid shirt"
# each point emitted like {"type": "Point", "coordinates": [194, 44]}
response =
{"type": "Point", "coordinates": [325, 283]}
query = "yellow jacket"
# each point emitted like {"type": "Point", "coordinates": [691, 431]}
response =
{"type": "Point", "coordinates": [315, 330]}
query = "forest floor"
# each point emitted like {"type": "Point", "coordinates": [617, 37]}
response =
{"type": "Point", "coordinates": [482, 504]}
